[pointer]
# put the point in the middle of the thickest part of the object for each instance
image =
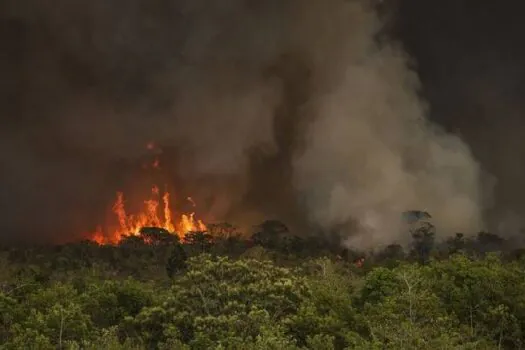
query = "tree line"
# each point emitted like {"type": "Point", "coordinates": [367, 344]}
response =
{"type": "Point", "coordinates": [273, 290]}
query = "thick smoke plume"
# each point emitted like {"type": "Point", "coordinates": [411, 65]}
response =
{"type": "Point", "coordinates": [289, 109]}
{"type": "Point", "coordinates": [370, 153]}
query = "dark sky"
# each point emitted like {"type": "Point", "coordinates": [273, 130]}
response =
{"type": "Point", "coordinates": [469, 55]}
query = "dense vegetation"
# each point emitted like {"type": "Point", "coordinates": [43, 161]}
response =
{"type": "Point", "coordinates": [275, 290]}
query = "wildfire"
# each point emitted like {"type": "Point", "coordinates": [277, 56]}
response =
{"type": "Point", "coordinates": [157, 212]}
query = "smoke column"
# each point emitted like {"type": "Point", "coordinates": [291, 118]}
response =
{"type": "Point", "coordinates": [370, 153]}
{"type": "Point", "coordinates": [473, 77]}
{"type": "Point", "coordinates": [277, 109]}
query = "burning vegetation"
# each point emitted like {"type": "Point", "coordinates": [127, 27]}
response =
{"type": "Point", "coordinates": [156, 212]}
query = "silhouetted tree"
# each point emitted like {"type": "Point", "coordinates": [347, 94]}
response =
{"type": "Point", "coordinates": [131, 241]}
{"type": "Point", "coordinates": [390, 255]}
{"type": "Point", "coordinates": [131, 246]}
{"type": "Point", "coordinates": [488, 242]}
{"type": "Point", "coordinates": [292, 245]}
{"type": "Point", "coordinates": [199, 239]}
{"type": "Point", "coordinates": [423, 242]}
{"type": "Point", "coordinates": [227, 238]}
{"type": "Point", "coordinates": [158, 236]}
{"type": "Point", "coordinates": [223, 230]}
{"type": "Point", "coordinates": [456, 244]}
{"type": "Point", "coordinates": [270, 234]}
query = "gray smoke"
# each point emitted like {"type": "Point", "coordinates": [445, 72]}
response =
{"type": "Point", "coordinates": [371, 154]}
{"type": "Point", "coordinates": [290, 109]}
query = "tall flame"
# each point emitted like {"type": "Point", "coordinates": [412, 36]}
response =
{"type": "Point", "coordinates": [149, 217]}
{"type": "Point", "coordinates": [157, 212]}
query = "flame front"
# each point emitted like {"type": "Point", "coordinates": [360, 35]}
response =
{"type": "Point", "coordinates": [132, 224]}
{"type": "Point", "coordinates": [157, 212]}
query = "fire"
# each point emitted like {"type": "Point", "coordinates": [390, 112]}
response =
{"type": "Point", "coordinates": [157, 212]}
{"type": "Point", "coordinates": [168, 225]}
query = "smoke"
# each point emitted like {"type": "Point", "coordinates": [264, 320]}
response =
{"type": "Point", "coordinates": [472, 75]}
{"type": "Point", "coordinates": [287, 109]}
{"type": "Point", "coordinates": [371, 154]}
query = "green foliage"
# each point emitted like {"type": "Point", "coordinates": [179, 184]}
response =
{"type": "Point", "coordinates": [110, 302]}
{"type": "Point", "coordinates": [219, 298]}
{"type": "Point", "coordinates": [487, 296]}
{"type": "Point", "coordinates": [328, 312]}
{"type": "Point", "coordinates": [218, 291]}
{"type": "Point", "coordinates": [106, 339]}
{"type": "Point", "coordinates": [406, 314]}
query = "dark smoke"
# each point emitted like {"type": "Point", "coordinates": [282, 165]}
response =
{"type": "Point", "coordinates": [290, 109]}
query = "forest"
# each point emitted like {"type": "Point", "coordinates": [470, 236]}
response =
{"type": "Point", "coordinates": [220, 289]}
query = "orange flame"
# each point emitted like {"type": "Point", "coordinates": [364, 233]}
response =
{"type": "Point", "coordinates": [168, 224]}
{"type": "Point", "coordinates": [132, 224]}
{"type": "Point", "coordinates": [149, 217]}
{"type": "Point", "coordinates": [189, 224]}
{"type": "Point", "coordinates": [98, 236]}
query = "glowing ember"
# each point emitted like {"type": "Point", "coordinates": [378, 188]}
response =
{"type": "Point", "coordinates": [156, 164]}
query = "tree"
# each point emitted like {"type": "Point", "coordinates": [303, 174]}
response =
{"type": "Point", "coordinates": [328, 315]}
{"type": "Point", "coordinates": [226, 301]}
{"type": "Point", "coordinates": [488, 242]}
{"type": "Point", "coordinates": [401, 309]}
{"type": "Point", "coordinates": [456, 244]}
{"type": "Point", "coordinates": [199, 240]}
{"type": "Point", "coordinates": [108, 303]}
{"type": "Point", "coordinates": [423, 242]}
{"type": "Point", "coordinates": [270, 234]}
{"type": "Point", "coordinates": [223, 230]}
{"type": "Point", "coordinates": [486, 295]}
{"type": "Point", "coordinates": [293, 245]}
{"type": "Point", "coordinates": [227, 239]}
{"type": "Point", "coordinates": [54, 316]}
{"type": "Point", "coordinates": [391, 255]}
{"type": "Point", "coordinates": [158, 236]}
